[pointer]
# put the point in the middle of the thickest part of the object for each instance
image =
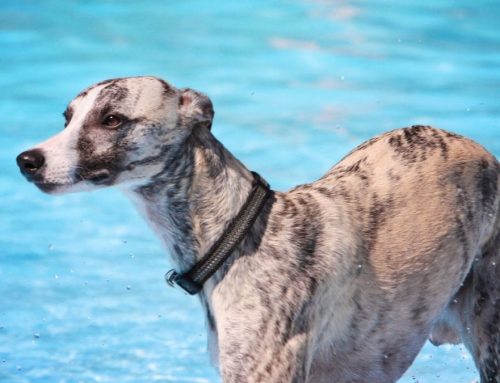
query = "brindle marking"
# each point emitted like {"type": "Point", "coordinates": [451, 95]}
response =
{"type": "Point", "coordinates": [339, 280]}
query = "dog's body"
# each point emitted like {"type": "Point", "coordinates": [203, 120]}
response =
{"type": "Point", "coordinates": [340, 280]}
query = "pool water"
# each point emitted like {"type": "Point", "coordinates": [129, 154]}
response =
{"type": "Point", "coordinates": [295, 86]}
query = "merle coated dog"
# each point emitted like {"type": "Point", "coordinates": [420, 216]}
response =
{"type": "Point", "coordinates": [339, 280]}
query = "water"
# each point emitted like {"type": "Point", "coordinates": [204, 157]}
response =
{"type": "Point", "coordinates": [295, 86]}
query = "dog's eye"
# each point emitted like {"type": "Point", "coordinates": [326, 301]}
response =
{"type": "Point", "coordinates": [112, 121]}
{"type": "Point", "coordinates": [68, 113]}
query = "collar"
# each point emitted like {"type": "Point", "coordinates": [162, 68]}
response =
{"type": "Point", "coordinates": [192, 280]}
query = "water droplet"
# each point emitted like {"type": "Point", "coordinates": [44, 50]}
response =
{"type": "Point", "coordinates": [128, 287]}
{"type": "Point", "coordinates": [50, 246]}
{"type": "Point", "coordinates": [19, 368]}
{"type": "Point", "coordinates": [360, 266]}
{"type": "Point", "coordinates": [386, 356]}
{"type": "Point", "coordinates": [493, 263]}
{"type": "Point", "coordinates": [56, 276]}
{"type": "Point", "coordinates": [36, 335]}
{"type": "Point", "coordinates": [455, 300]}
{"type": "Point", "coordinates": [124, 241]}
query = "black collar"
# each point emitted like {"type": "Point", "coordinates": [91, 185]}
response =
{"type": "Point", "coordinates": [192, 280]}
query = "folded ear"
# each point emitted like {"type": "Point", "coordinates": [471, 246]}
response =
{"type": "Point", "coordinates": [195, 109]}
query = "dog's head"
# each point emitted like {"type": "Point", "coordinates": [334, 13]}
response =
{"type": "Point", "coordinates": [118, 131]}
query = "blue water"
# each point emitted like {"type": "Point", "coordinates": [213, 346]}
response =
{"type": "Point", "coordinates": [295, 86]}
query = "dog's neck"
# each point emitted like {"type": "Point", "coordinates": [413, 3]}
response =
{"type": "Point", "coordinates": [189, 204]}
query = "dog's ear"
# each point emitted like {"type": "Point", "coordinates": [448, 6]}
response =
{"type": "Point", "coordinates": [195, 109]}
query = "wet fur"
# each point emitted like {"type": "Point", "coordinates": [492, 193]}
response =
{"type": "Point", "coordinates": [339, 280]}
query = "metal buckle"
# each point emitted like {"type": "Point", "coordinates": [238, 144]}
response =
{"type": "Point", "coordinates": [170, 277]}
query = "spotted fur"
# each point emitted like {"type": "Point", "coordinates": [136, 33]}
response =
{"type": "Point", "coordinates": [339, 280]}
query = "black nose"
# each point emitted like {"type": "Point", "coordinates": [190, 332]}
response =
{"type": "Point", "coordinates": [30, 162]}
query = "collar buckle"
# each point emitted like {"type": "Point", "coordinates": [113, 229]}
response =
{"type": "Point", "coordinates": [173, 278]}
{"type": "Point", "coordinates": [170, 277]}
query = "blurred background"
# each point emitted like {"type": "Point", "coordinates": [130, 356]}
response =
{"type": "Point", "coordinates": [295, 84]}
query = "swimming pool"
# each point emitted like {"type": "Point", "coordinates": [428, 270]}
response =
{"type": "Point", "coordinates": [295, 86]}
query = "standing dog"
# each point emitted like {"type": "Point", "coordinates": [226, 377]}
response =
{"type": "Point", "coordinates": [340, 280]}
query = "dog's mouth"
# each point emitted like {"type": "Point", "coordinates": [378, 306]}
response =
{"type": "Point", "coordinates": [97, 178]}
{"type": "Point", "coordinates": [50, 187]}
{"type": "Point", "coordinates": [44, 185]}
{"type": "Point", "coordinates": [100, 177]}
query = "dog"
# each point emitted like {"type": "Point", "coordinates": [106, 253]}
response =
{"type": "Point", "coordinates": [340, 280]}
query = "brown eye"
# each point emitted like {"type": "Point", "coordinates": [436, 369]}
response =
{"type": "Point", "coordinates": [112, 121]}
{"type": "Point", "coordinates": [68, 113]}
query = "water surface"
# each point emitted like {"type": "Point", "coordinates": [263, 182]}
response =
{"type": "Point", "coordinates": [295, 86]}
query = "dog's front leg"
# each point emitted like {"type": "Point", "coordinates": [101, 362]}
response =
{"type": "Point", "coordinates": [263, 343]}
{"type": "Point", "coordinates": [263, 326]}
{"type": "Point", "coordinates": [261, 358]}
